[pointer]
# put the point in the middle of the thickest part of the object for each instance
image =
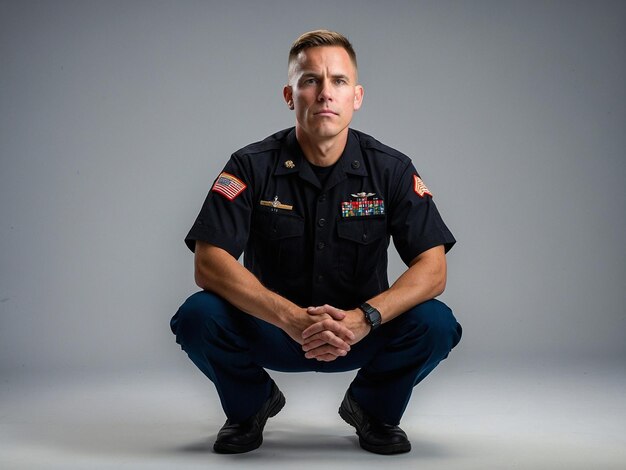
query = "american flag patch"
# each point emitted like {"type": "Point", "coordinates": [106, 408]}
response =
{"type": "Point", "coordinates": [419, 187]}
{"type": "Point", "coordinates": [229, 186]}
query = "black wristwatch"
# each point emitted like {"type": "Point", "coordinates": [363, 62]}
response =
{"type": "Point", "coordinates": [371, 315]}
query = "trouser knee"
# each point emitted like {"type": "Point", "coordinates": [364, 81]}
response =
{"type": "Point", "coordinates": [199, 318]}
{"type": "Point", "coordinates": [435, 324]}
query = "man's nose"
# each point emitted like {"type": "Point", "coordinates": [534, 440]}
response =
{"type": "Point", "coordinates": [325, 91]}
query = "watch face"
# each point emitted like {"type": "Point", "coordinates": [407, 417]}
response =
{"type": "Point", "coordinates": [372, 315]}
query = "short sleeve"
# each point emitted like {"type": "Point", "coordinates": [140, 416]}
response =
{"type": "Point", "coordinates": [224, 219]}
{"type": "Point", "coordinates": [415, 222]}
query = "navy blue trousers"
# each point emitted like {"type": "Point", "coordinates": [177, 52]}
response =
{"type": "Point", "coordinates": [233, 349]}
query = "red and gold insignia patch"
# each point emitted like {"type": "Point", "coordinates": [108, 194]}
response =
{"type": "Point", "coordinates": [229, 186]}
{"type": "Point", "coordinates": [419, 187]}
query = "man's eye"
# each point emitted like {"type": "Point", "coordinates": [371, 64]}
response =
{"type": "Point", "coordinates": [340, 81]}
{"type": "Point", "coordinates": [309, 81]}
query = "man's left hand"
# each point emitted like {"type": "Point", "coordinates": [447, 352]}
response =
{"type": "Point", "coordinates": [316, 346]}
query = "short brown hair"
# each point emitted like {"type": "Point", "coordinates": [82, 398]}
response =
{"type": "Point", "coordinates": [317, 38]}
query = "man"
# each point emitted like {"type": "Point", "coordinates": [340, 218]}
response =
{"type": "Point", "coordinates": [313, 209]}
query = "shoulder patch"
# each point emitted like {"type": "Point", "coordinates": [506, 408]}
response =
{"type": "Point", "coordinates": [420, 188]}
{"type": "Point", "coordinates": [229, 186]}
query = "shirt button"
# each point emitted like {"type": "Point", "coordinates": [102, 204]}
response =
{"type": "Point", "coordinates": [320, 278]}
{"type": "Point", "coordinates": [356, 165]}
{"type": "Point", "coordinates": [321, 245]}
{"type": "Point", "coordinates": [321, 222]}
{"type": "Point", "coordinates": [322, 198]}
{"type": "Point", "coordinates": [364, 237]}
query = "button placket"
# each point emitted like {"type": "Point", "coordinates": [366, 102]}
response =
{"type": "Point", "coordinates": [320, 264]}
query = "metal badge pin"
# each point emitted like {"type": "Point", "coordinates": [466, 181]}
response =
{"type": "Point", "coordinates": [276, 204]}
{"type": "Point", "coordinates": [362, 195]}
{"type": "Point", "coordinates": [290, 164]}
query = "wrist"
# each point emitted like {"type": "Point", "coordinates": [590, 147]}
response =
{"type": "Point", "coordinates": [288, 314]}
{"type": "Point", "coordinates": [360, 319]}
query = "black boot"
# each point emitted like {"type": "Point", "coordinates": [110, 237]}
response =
{"type": "Point", "coordinates": [374, 436]}
{"type": "Point", "coordinates": [236, 438]}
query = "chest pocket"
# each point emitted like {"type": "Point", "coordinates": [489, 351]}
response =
{"type": "Point", "coordinates": [279, 241]}
{"type": "Point", "coordinates": [363, 246]}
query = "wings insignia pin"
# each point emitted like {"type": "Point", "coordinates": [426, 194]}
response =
{"type": "Point", "coordinates": [363, 195]}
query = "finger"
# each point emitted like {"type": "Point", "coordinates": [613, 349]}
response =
{"type": "Point", "coordinates": [316, 342]}
{"type": "Point", "coordinates": [314, 329]}
{"type": "Point", "coordinates": [339, 329]}
{"type": "Point", "coordinates": [330, 325]}
{"type": "Point", "coordinates": [324, 352]}
{"type": "Point", "coordinates": [329, 336]}
{"type": "Point", "coordinates": [325, 337]}
{"type": "Point", "coordinates": [335, 313]}
{"type": "Point", "coordinates": [315, 310]}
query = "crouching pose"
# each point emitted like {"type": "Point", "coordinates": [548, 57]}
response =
{"type": "Point", "coordinates": [313, 208]}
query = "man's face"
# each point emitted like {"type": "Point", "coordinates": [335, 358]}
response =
{"type": "Point", "coordinates": [323, 91]}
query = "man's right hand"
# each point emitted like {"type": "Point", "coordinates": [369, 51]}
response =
{"type": "Point", "coordinates": [332, 343]}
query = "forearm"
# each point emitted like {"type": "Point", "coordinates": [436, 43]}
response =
{"type": "Point", "coordinates": [424, 280]}
{"type": "Point", "coordinates": [217, 271]}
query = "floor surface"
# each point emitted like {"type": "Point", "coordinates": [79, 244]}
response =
{"type": "Point", "coordinates": [479, 417]}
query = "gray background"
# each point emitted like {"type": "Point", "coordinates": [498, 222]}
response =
{"type": "Point", "coordinates": [116, 117]}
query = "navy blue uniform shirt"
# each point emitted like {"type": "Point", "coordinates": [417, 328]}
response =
{"type": "Point", "coordinates": [313, 244]}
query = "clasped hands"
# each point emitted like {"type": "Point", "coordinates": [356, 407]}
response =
{"type": "Point", "coordinates": [333, 332]}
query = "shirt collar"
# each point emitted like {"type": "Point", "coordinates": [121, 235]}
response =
{"type": "Point", "coordinates": [292, 160]}
{"type": "Point", "coordinates": [352, 158]}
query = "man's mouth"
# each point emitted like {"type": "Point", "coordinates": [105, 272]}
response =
{"type": "Point", "coordinates": [325, 112]}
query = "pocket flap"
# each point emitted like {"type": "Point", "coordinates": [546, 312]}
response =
{"type": "Point", "coordinates": [363, 231]}
{"type": "Point", "coordinates": [275, 226]}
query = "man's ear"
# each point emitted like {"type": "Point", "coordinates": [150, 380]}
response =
{"type": "Point", "coordinates": [288, 95]}
{"type": "Point", "coordinates": [358, 96]}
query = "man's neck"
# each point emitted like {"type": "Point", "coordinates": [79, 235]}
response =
{"type": "Point", "coordinates": [324, 152]}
